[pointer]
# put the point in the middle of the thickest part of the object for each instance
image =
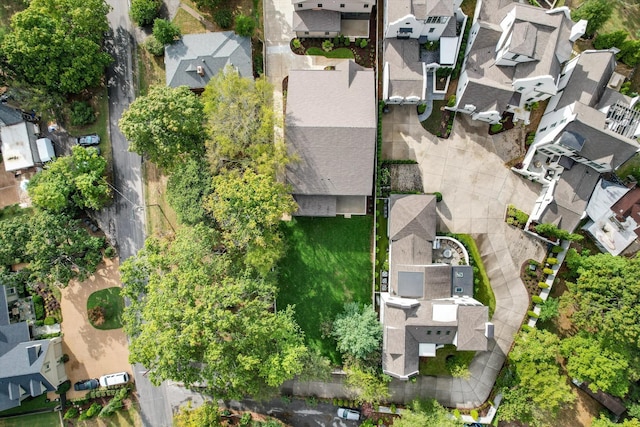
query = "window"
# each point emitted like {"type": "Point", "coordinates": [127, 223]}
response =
{"type": "Point", "coordinates": [326, 33]}
{"type": "Point", "coordinates": [543, 129]}
{"type": "Point", "coordinates": [459, 274]}
{"type": "Point", "coordinates": [403, 30]}
{"type": "Point", "coordinates": [448, 332]}
{"type": "Point", "coordinates": [530, 99]}
{"type": "Point", "coordinates": [431, 30]}
{"type": "Point", "coordinates": [342, 5]}
{"type": "Point", "coordinates": [47, 368]}
{"type": "Point", "coordinates": [306, 33]}
{"type": "Point", "coordinates": [563, 121]}
{"type": "Point", "coordinates": [459, 290]}
{"type": "Point", "coordinates": [515, 56]}
{"type": "Point", "coordinates": [520, 88]}
{"type": "Point", "coordinates": [553, 124]}
{"type": "Point", "coordinates": [366, 6]}
{"type": "Point", "coordinates": [539, 84]}
{"type": "Point", "coordinates": [299, 4]}
{"type": "Point", "coordinates": [319, 4]}
{"type": "Point", "coordinates": [428, 332]}
{"type": "Point", "coordinates": [438, 332]}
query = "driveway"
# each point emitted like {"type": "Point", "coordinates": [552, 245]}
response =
{"type": "Point", "coordinates": [92, 352]}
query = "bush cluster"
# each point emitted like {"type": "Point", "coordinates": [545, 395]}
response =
{"type": "Point", "coordinates": [224, 18]}
{"type": "Point", "coordinates": [38, 306]}
{"type": "Point", "coordinates": [81, 113]}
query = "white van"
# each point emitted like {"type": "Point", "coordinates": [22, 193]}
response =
{"type": "Point", "coordinates": [114, 379]}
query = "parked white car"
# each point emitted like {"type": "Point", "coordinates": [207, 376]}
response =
{"type": "Point", "coordinates": [348, 414]}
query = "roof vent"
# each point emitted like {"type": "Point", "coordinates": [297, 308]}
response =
{"type": "Point", "coordinates": [200, 70]}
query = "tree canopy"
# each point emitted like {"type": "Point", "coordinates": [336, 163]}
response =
{"type": "Point", "coordinates": [357, 331]}
{"type": "Point", "coordinates": [165, 124]}
{"type": "Point", "coordinates": [189, 186]}
{"type": "Point", "coordinates": [197, 317]}
{"type": "Point", "coordinates": [534, 389]}
{"type": "Point", "coordinates": [57, 44]}
{"type": "Point", "coordinates": [143, 12]}
{"type": "Point", "coordinates": [240, 121]}
{"type": "Point", "coordinates": [426, 413]}
{"type": "Point", "coordinates": [70, 182]}
{"type": "Point", "coordinates": [248, 207]}
{"type": "Point", "coordinates": [597, 12]}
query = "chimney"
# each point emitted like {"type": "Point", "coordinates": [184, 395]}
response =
{"type": "Point", "coordinates": [200, 70]}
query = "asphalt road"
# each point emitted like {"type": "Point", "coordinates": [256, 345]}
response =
{"type": "Point", "coordinates": [127, 215]}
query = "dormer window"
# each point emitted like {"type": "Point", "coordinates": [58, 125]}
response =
{"type": "Point", "coordinates": [515, 56]}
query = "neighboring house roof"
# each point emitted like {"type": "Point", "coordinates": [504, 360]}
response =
{"type": "Point", "coordinates": [18, 146]}
{"type": "Point", "coordinates": [210, 51]}
{"type": "Point", "coordinates": [316, 20]}
{"type": "Point", "coordinates": [628, 206]}
{"type": "Point", "coordinates": [9, 116]}
{"type": "Point", "coordinates": [330, 129]}
{"type": "Point", "coordinates": [406, 71]}
{"type": "Point", "coordinates": [333, 4]}
{"type": "Point", "coordinates": [421, 312]}
{"type": "Point", "coordinates": [570, 197]}
{"type": "Point", "coordinates": [4, 308]}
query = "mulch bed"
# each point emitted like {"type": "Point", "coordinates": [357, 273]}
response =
{"type": "Point", "coordinates": [363, 56]}
{"type": "Point", "coordinates": [507, 124]}
{"type": "Point", "coordinates": [51, 304]}
{"type": "Point", "coordinates": [531, 278]}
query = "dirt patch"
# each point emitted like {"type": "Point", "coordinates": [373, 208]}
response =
{"type": "Point", "coordinates": [92, 352]}
{"type": "Point", "coordinates": [405, 178]}
{"type": "Point", "coordinates": [161, 218]}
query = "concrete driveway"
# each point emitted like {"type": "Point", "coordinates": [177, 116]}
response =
{"type": "Point", "coordinates": [92, 352]}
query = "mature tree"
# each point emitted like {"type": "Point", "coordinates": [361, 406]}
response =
{"type": "Point", "coordinates": [367, 385]}
{"type": "Point", "coordinates": [207, 414]}
{"type": "Point", "coordinates": [597, 362]}
{"type": "Point", "coordinates": [189, 185]}
{"type": "Point", "coordinates": [597, 12]}
{"type": "Point", "coordinates": [14, 235]}
{"type": "Point", "coordinates": [166, 32]}
{"type": "Point", "coordinates": [60, 249]}
{"type": "Point", "coordinates": [535, 378]}
{"type": "Point", "coordinates": [58, 44]}
{"type": "Point", "coordinates": [630, 53]}
{"type": "Point", "coordinates": [198, 318]}
{"type": "Point", "coordinates": [241, 121]}
{"type": "Point", "coordinates": [245, 25]}
{"type": "Point", "coordinates": [165, 124]}
{"type": "Point", "coordinates": [426, 413]}
{"type": "Point", "coordinates": [248, 207]}
{"type": "Point", "coordinates": [609, 40]}
{"type": "Point", "coordinates": [143, 12]}
{"type": "Point", "coordinates": [76, 181]}
{"type": "Point", "coordinates": [357, 331]}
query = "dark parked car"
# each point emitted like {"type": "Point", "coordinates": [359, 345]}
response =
{"type": "Point", "coordinates": [88, 140]}
{"type": "Point", "coordinates": [86, 385]}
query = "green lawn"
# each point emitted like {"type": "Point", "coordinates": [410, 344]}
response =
{"type": "Point", "coordinates": [49, 419]}
{"type": "Point", "coordinates": [187, 23]}
{"type": "Point", "coordinates": [122, 418]}
{"type": "Point", "coordinates": [432, 124]}
{"type": "Point", "coordinates": [113, 303]}
{"type": "Point", "coordinates": [456, 366]}
{"type": "Point", "coordinates": [31, 404]}
{"type": "Point", "coordinates": [328, 263]}
{"type": "Point", "coordinates": [340, 53]}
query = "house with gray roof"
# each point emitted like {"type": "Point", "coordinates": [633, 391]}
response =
{"type": "Point", "coordinates": [27, 368]}
{"type": "Point", "coordinates": [428, 303]}
{"type": "Point", "coordinates": [330, 132]}
{"type": "Point", "coordinates": [408, 64]}
{"type": "Point", "coordinates": [514, 57]}
{"type": "Point", "coordinates": [588, 129]}
{"type": "Point", "coordinates": [329, 18]}
{"type": "Point", "coordinates": [195, 58]}
{"type": "Point", "coordinates": [18, 137]}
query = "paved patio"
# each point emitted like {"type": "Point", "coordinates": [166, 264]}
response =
{"type": "Point", "coordinates": [92, 352]}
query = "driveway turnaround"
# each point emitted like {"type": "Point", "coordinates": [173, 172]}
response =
{"type": "Point", "coordinates": [92, 352]}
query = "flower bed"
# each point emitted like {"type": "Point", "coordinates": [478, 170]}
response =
{"type": "Point", "coordinates": [363, 52]}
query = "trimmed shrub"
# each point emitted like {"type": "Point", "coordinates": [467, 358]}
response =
{"type": "Point", "coordinates": [533, 314]}
{"type": "Point", "coordinates": [474, 414]}
{"type": "Point", "coordinates": [81, 113]}
{"type": "Point", "coordinates": [421, 108]}
{"type": "Point", "coordinates": [64, 387]}
{"type": "Point", "coordinates": [166, 32]}
{"type": "Point", "coordinates": [49, 321]}
{"type": "Point", "coordinates": [363, 43]}
{"type": "Point", "coordinates": [71, 413]}
{"type": "Point", "coordinates": [245, 25]}
{"type": "Point", "coordinates": [496, 127]}
{"type": "Point", "coordinates": [438, 196]}
{"type": "Point", "coordinates": [296, 43]}
{"type": "Point", "coordinates": [542, 285]}
{"type": "Point", "coordinates": [452, 101]}
{"type": "Point", "coordinates": [556, 249]}
{"type": "Point", "coordinates": [224, 19]}
{"type": "Point", "coordinates": [552, 261]}
{"type": "Point", "coordinates": [110, 252]}
{"type": "Point", "coordinates": [327, 46]}
{"type": "Point", "coordinates": [537, 300]}
{"type": "Point", "coordinates": [456, 413]}
{"type": "Point", "coordinates": [91, 412]}
{"type": "Point", "coordinates": [526, 328]}
{"type": "Point", "coordinates": [547, 271]}
{"type": "Point", "coordinates": [153, 46]}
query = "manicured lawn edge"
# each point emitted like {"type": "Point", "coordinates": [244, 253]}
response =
{"type": "Point", "coordinates": [482, 290]}
{"type": "Point", "coordinates": [113, 303]}
{"type": "Point", "coordinates": [437, 366]}
{"type": "Point", "coordinates": [341, 52]}
{"type": "Point", "coordinates": [31, 405]}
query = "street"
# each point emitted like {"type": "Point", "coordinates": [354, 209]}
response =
{"type": "Point", "coordinates": [128, 212]}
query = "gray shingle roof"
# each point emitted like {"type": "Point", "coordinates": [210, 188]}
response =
{"type": "Point", "coordinates": [9, 116]}
{"type": "Point", "coordinates": [412, 215]}
{"type": "Point", "coordinates": [523, 39]}
{"type": "Point", "coordinates": [316, 20]}
{"type": "Point", "coordinates": [588, 79]}
{"type": "Point", "coordinates": [315, 205]}
{"type": "Point", "coordinates": [330, 129]}
{"type": "Point", "coordinates": [4, 308]}
{"type": "Point", "coordinates": [405, 68]}
{"type": "Point", "coordinates": [212, 51]}
{"type": "Point", "coordinates": [471, 327]}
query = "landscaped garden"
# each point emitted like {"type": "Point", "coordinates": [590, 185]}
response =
{"type": "Point", "coordinates": [328, 263]}
{"type": "Point", "coordinates": [363, 51]}
{"type": "Point", "coordinates": [448, 361]}
{"type": "Point", "coordinates": [104, 308]}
